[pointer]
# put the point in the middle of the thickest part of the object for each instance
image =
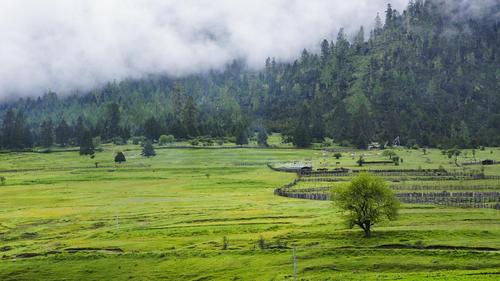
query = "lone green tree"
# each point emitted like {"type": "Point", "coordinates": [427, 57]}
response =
{"type": "Point", "coordinates": [148, 149]}
{"type": "Point", "coordinates": [367, 201]}
{"type": "Point", "coordinates": [389, 153]}
{"type": "Point", "coordinates": [360, 161]}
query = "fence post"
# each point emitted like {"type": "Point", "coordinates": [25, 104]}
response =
{"type": "Point", "coordinates": [294, 265]}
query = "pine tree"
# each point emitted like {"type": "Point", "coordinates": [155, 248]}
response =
{"type": "Point", "coordinates": [86, 144]}
{"type": "Point", "coordinates": [148, 149]}
{"type": "Point", "coordinates": [120, 157]}
{"type": "Point", "coordinates": [112, 122]}
{"type": "Point", "coordinates": [78, 130]}
{"type": "Point", "coordinates": [325, 52]}
{"type": "Point", "coordinates": [190, 117]}
{"type": "Point", "coordinates": [389, 15]}
{"type": "Point", "coordinates": [361, 127]}
{"type": "Point", "coordinates": [318, 129]}
{"type": "Point", "coordinates": [46, 134]}
{"type": "Point", "coordinates": [242, 137]}
{"type": "Point", "coordinates": [15, 133]}
{"type": "Point", "coordinates": [262, 138]}
{"type": "Point", "coordinates": [62, 133]}
{"type": "Point", "coordinates": [302, 136]}
{"type": "Point", "coordinates": [152, 129]}
{"type": "Point", "coordinates": [378, 23]}
{"type": "Point", "coordinates": [9, 133]}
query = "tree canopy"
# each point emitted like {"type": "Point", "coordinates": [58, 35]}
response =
{"type": "Point", "coordinates": [120, 157]}
{"type": "Point", "coordinates": [423, 75]}
{"type": "Point", "coordinates": [366, 201]}
{"type": "Point", "coordinates": [148, 149]}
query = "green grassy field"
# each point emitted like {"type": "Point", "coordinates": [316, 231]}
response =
{"type": "Point", "coordinates": [165, 217]}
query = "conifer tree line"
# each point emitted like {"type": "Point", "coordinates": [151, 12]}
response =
{"type": "Point", "coordinates": [422, 74]}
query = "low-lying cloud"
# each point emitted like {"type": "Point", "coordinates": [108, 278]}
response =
{"type": "Point", "coordinates": [65, 46]}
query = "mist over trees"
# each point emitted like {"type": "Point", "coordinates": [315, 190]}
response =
{"type": "Point", "coordinates": [422, 74]}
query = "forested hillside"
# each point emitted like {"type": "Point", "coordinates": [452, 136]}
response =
{"type": "Point", "coordinates": [426, 74]}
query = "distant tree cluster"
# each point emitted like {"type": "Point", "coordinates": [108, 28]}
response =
{"type": "Point", "coordinates": [419, 75]}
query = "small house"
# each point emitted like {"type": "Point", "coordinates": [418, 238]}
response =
{"type": "Point", "coordinates": [373, 145]}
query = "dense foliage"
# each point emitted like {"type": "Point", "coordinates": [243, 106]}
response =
{"type": "Point", "coordinates": [425, 75]}
{"type": "Point", "coordinates": [367, 201]}
{"type": "Point", "coordinates": [120, 157]}
{"type": "Point", "coordinates": [148, 149]}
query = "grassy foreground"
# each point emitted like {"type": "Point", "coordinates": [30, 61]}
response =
{"type": "Point", "coordinates": [165, 217]}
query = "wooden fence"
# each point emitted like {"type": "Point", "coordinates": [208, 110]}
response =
{"type": "Point", "coordinates": [460, 199]}
{"type": "Point", "coordinates": [397, 173]}
{"type": "Point", "coordinates": [302, 195]}
{"type": "Point", "coordinates": [444, 187]}
{"type": "Point", "coordinates": [480, 162]}
{"type": "Point", "coordinates": [457, 199]}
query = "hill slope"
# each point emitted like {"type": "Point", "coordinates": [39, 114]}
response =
{"type": "Point", "coordinates": [423, 75]}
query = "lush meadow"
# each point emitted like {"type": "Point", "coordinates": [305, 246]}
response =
{"type": "Point", "coordinates": [167, 217]}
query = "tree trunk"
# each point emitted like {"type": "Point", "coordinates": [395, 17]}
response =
{"type": "Point", "coordinates": [368, 232]}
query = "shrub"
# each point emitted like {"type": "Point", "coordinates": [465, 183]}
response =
{"type": "Point", "coordinates": [45, 150]}
{"type": "Point", "coordinates": [281, 244]}
{"type": "Point", "coordinates": [327, 142]}
{"type": "Point", "coordinates": [360, 161]}
{"type": "Point", "coordinates": [411, 143]}
{"type": "Point", "coordinates": [120, 157]}
{"type": "Point", "coordinates": [419, 244]}
{"type": "Point", "coordinates": [2, 180]}
{"type": "Point", "coordinates": [87, 144]}
{"type": "Point", "coordinates": [138, 140]}
{"type": "Point", "coordinates": [119, 141]}
{"type": "Point", "coordinates": [262, 138]}
{"type": "Point", "coordinates": [345, 143]}
{"type": "Point", "coordinates": [225, 243]}
{"type": "Point", "coordinates": [337, 155]}
{"type": "Point", "coordinates": [96, 142]}
{"type": "Point", "coordinates": [166, 139]}
{"type": "Point", "coordinates": [395, 159]}
{"type": "Point", "coordinates": [207, 141]}
{"type": "Point", "coordinates": [148, 149]}
{"type": "Point", "coordinates": [262, 243]}
{"type": "Point", "coordinates": [242, 138]}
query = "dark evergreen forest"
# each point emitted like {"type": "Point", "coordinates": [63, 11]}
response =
{"type": "Point", "coordinates": [425, 74]}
